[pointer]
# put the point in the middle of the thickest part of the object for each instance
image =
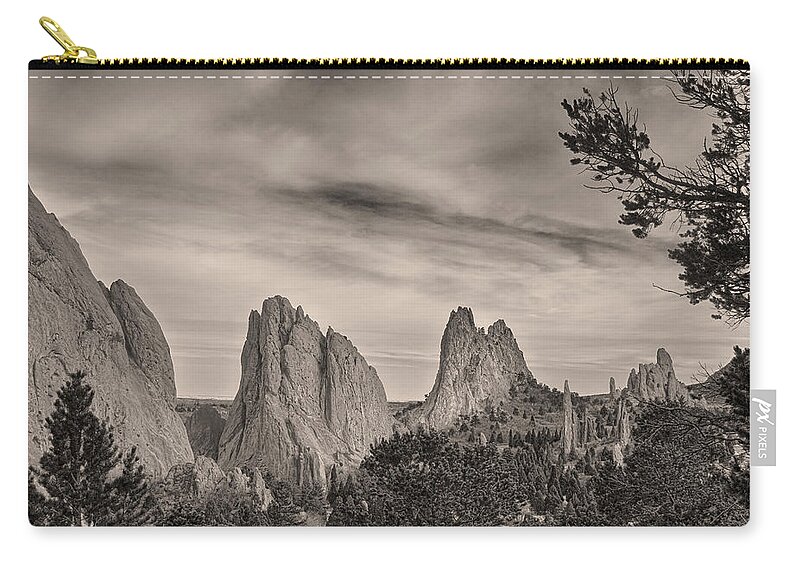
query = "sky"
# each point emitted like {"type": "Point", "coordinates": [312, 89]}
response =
{"type": "Point", "coordinates": [379, 206]}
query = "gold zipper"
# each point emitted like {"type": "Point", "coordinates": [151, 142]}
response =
{"type": "Point", "coordinates": [74, 54]}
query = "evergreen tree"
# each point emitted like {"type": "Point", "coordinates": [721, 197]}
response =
{"type": "Point", "coordinates": [75, 471]}
{"type": "Point", "coordinates": [37, 503]}
{"type": "Point", "coordinates": [709, 201]}
{"type": "Point", "coordinates": [312, 498]}
{"type": "Point", "coordinates": [131, 490]}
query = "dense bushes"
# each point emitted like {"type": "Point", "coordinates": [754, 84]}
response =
{"type": "Point", "coordinates": [423, 479]}
{"type": "Point", "coordinates": [690, 465]}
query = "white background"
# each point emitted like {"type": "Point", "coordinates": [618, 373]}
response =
{"type": "Point", "coordinates": [760, 32]}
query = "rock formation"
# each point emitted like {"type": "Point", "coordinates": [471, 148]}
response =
{"type": "Point", "coordinates": [204, 477]}
{"type": "Point", "coordinates": [204, 428]}
{"type": "Point", "coordinates": [580, 427]}
{"type": "Point", "coordinates": [585, 429]}
{"type": "Point", "coordinates": [76, 324]}
{"type": "Point", "coordinates": [612, 388]}
{"type": "Point", "coordinates": [144, 339]}
{"type": "Point", "coordinates": [199, 478]}
{"type": "Point", "coordinates": [568, 432]}
{"type": "Point", "coordinates": [656, 381]}
{"type": "Point", "coordinates": [616, 454]}
{"type": "Point", "coordinates": [476, 370]}
{"type": "Point", "coordinates": [622, 429]}
{"type": "Point", "coordinates": [306, 401]}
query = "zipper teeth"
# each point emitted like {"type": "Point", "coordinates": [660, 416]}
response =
{"type": "Point", "coordinates": [441, 63]}
{"type": "Point", "coordinates": [448, 62]}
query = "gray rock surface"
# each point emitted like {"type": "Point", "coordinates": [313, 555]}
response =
{"type": "Point", "coordinates": [204, 477]}
{"type": "Point", "coordinates": [259, 488]}
{"type": "Point", "coordinates": [306, 401]}
{"type": "Point", "coordinates": [656, 381]}
{"type": "Point", "coordinates": [585, 429]}
{"type": "Point", "coordinates": [617, 455]}
{"type": "Point", "coordinates": [201, 477]}
{"type": "Point", "coordinates": [72, 326]}
{"type": "Point", "coordinates": [476, 370]}
{"type": "Point", "coordinates": [612, 388]}
{"type": "Point", "coordinates": [579, 426]}
{"type": "Point", "coordinates": [144, 339]}
{"type": "Point", "coordinates": [622, 429]}
{"type": "Point", "coordinates": [204, 428]}
{"type": "Point", "coordinates": [568, 433]}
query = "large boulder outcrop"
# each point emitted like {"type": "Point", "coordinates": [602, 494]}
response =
{"type": "Point", "coordinates": [76, 324]}
{"type": "Point", "coordinates": [306, 401]}
{"type": "Point", "coordinates": [476, 370]}
{"type": "Point", "coordinates": [204, 477]}
{"type": "Point", "coordinates": [199, 478]}
{"type": "Point", "coordinates": [204, 428]}
{"type": "Point", "coordinates": [656, 381]}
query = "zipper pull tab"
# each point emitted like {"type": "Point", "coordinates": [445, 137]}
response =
{"type": "Point", "coordinates": [72, 53]}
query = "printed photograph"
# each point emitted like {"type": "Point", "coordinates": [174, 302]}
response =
{"type": "Point", "coordinates": [388, 297]}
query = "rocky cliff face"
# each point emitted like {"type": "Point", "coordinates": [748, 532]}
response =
{"type": "Point", "coordinates": [75, 323]}
{"type": "Point", "coordinates": [306, 401]}
{"type": "Point", "coordinates": [144, 339]}
{"type": "Point", "coordinates": [476, 369]}
{"type": "Point", "coordinates": [204, 428]}
{"type": "Point", "coordinates": [656, 381]}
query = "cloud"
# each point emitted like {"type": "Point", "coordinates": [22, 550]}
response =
{"type": "Point", "coordinates": [378, 206]}
{"type": "Point", "coordinates": [390, 211]}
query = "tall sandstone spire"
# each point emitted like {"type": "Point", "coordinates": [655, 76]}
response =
{"type": "Point", "coordinates": [306, 401]}
{"type": "Point", "coordinates": [568, 442]}
{"type": "Point", "coordinates": [76, 324]}
{"type": "Point", "coordinates": [476, 369]}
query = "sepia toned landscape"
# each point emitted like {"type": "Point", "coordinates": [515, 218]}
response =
{"type": "Point", "coordinates": [456, 303]}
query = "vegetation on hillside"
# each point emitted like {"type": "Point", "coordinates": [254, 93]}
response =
{"type": "Point", "coordinates": [689, 466]}
{"type": "Point", "coordinates": [422, 478]}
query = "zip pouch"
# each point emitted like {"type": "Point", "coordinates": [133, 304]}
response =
{"type": "Point", "coordinates": [388, 293]}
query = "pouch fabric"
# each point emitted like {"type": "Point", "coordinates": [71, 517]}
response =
{"type": "Point", "coordinates": [388, 296]}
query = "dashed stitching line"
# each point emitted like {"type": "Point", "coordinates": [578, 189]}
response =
{"type": "Point", "coordinates": [356, 77]}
